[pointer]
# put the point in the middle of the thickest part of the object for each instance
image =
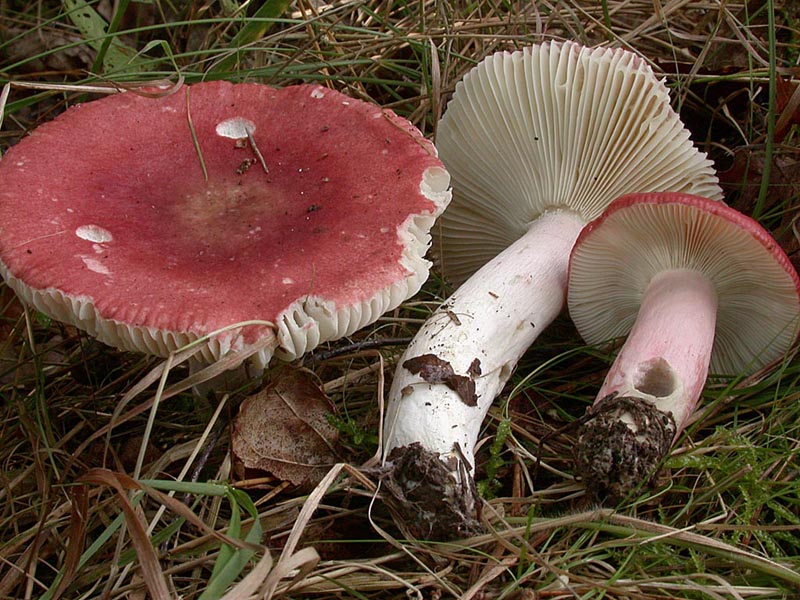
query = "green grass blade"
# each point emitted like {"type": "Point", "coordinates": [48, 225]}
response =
{"type": "Point", "coordinates": [253, 29]}
{"type": "Point", "coordinates": [232, 561]}
{"type": "Point", "coordinates": [111, 52]}
{"type": "Point", "coordinates": [769, 143]}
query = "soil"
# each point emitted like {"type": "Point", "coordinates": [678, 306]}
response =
{"type": "Point", "coordinates": [620, 446]}
{"type": "Point", "coordinates": [434, 499]}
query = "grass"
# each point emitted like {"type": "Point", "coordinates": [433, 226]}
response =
{"type": "Point", "coordinates": [117, 483]}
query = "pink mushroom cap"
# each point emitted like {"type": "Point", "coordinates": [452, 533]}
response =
{"type": "Point", "coordinates": [107, 220]}
{"type": "Point", "coordinates": [639, 236]}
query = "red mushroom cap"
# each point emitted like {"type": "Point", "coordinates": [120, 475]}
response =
{"type": "Point", "coordinates": [314, 216]}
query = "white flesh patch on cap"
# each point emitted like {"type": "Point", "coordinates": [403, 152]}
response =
{"type": "Point", "coordinates": [95, 265]}
{"type": "Point", "coordinates": [236, 128]}
{"type": "Point", "coordinates": [94, 233]}
{"type": "Point", "coordinates": [757, 315]}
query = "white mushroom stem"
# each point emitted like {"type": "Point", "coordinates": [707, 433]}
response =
{"type": "Point", "coordinates": [481, 332]}
{"type": "Point", "coordinates": [666, 356]}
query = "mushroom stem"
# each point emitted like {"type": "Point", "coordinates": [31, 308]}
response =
{"type": "Point", "coordinates": [653, 386]}
{"type": "Point", "coordinates": [459, 361]}
{"type": "Point", "coordinates": [666, 355]}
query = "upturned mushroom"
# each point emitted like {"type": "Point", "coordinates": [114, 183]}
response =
{"type": "Point", "coordinates": [153, 222]}
{"type": "Point", "coordinates": [538, 142]}
{"type": "Point", "coordinates": [692, 283]}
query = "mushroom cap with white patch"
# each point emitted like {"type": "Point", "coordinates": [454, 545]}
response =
{"type": "Point", "coordinates": [555, 126]}
{"type": "Point", "coordinates": [642, 235]}
{"type": "Point", "coordinates": [151, 222]}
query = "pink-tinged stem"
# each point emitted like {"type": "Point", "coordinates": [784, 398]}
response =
{"type": "Point", "coordinates": [666, 356]}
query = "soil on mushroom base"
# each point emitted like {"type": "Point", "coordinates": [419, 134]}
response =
{"type": "Point", "coordinates": [620, 446]}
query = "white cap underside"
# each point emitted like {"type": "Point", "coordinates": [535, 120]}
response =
{"type": "Point", "coordinates": [757, 315]}
{"type": "Point", "coordinates": [556, 126]}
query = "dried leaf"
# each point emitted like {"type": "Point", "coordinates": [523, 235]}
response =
{"type": "Point", "coordinates": [744, 177]}
{"type": "Point", "coordinates": [284, 430]}
{"type": "Point", "coordinates": [436, 370]}
{"type": "Point", "coordinates": [474, 368]}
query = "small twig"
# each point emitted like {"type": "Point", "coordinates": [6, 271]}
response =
{"type": "Point", "coordinates": [260, 156]}
{"type": "Point", "coordinates": [357, 347]}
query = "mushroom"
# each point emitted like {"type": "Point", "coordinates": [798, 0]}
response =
{"type": "Point", "coordinates": [153, 222]}
{"type": "Point", "coordinates": [537, 142]}
{"type": "Point", "coordinates": [692, 283]}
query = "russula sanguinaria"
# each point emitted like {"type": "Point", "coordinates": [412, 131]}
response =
{"type": "Point", "coordinates": [152, 222]}
{"type": "Point", "coordinates": [538, 142]}
{"type": "Point", "coordinates": [692, 283]}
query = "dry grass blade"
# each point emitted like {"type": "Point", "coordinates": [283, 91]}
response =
{"type": "Point", "coordinates": [151, 570]}
{"type": "Point", "coordinates": [648, 532]}
{"type": "Point", "coordinates": [79, 499]}
{"type": "Point", "coordinates": [158, 373]}
{"type": "Point", "coordinates": [297, 566]}
{"type": "Point", "coordinates": [3, 99]}
{"type": "Point", "coordinates": [195, 141]}
{"type": "Point", "coordinates": [490, 573]}
{"type": "Point", "coordinates": [306, 559]}
{"type": "Point", "coordinates": [180, 509]}
{"type": "Point", "coordinates": [249, 585]}
{"type": "Point", "coordinates": [435, 90]}
{"type": "Point", "coordinates": [309, 506]}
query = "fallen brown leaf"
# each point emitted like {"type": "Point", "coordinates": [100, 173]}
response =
{"type": "Point", "coordinates": [284, 431]}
